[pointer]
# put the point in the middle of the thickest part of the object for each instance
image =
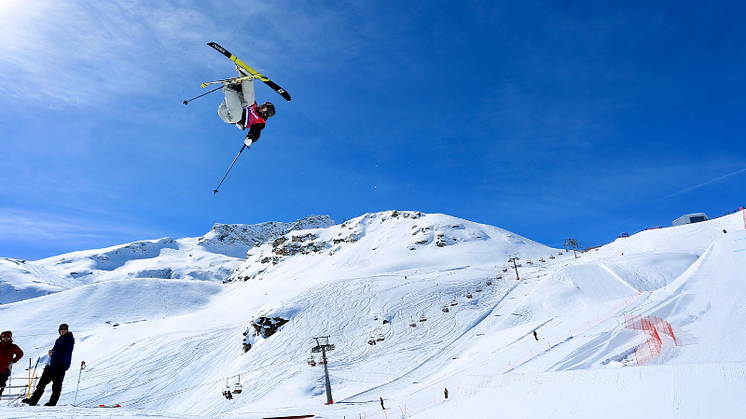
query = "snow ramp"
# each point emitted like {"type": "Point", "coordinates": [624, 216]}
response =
{"type": "Point", "coordinates": [660, 391]}
{"type": "Point", "coordinates": [597, 282]}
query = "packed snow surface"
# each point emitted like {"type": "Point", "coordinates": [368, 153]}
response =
{"type": "Point", "coordinates": [413, 303]}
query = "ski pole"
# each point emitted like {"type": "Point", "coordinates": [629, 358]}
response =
{"type": "Point", "coordinates": [203, 94]}
{"type": "Point", "coordinates": [31, 383]}
{"type": "Point", "coordinates": [229, 169]}
{"type": "Point", "coordinates": [10, 382]}
{"type": "Point", "coordinates": [82, 367]}
{"type": "Point", "coordinates": [29, 379]}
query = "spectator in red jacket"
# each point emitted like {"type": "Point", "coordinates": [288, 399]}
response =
{"type": "Point", "coordinates": [10, 353]}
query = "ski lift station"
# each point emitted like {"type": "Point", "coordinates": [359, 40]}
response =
{"type": "Point", "coordinates": [690, 219]}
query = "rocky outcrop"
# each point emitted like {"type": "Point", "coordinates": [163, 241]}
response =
{"type": "Point", "coordinates": [257, 234]}
{"type": "Point", "coordinates": [302, 244]}
{"type": "Point", "coordinates": [261, 327]}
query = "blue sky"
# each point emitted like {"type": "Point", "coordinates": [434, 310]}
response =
{"type": "Point", "coordinates": [552, 119]}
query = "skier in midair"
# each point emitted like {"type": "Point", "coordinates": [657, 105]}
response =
{"type": "Point", "coordinates": [240, 108]}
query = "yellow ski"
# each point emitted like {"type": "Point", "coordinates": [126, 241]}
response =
{"type": "Point", "coordinates": [251, 71]}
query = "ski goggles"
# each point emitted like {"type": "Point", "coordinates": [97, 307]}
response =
{"type": "Point", "coordinates": [6, 335]}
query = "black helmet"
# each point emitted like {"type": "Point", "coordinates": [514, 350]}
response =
{"type": "Point", "coordinates": [269, 113]}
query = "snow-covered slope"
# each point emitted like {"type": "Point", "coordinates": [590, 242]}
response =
{"type": "Point", "coordinates": [21, 280]}
{"type": "Point", "coordinates": [433, 292]}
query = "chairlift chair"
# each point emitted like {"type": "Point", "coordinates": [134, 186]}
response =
{"type": "Point", "coordinates": [380, 337]}
{"type": "Point", "coordinates": [489, 282]}
{"type": "Point", "coordinates": [412, 323]}
{"type": "Point", "coordinates": [445, 309]}
{"type": "Point", "coordinates": [454, 302]}
{"type": "Point", "coordinates": [227, 392]}
{"type": "Point", "coordinates": [423, 318]}
{"type": "Point", "coordinates": [311, 361]}
{"type": "Point", "coordinates": [238, 388]}
{"type": "Point", "coordinates": [469, 295]}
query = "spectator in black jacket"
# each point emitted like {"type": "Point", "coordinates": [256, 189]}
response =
{"type": "Point", "coordinates": [60, 358]}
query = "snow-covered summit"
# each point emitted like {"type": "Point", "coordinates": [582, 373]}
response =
{"type": "Point", "coordinates": [237, 238]}
{"type": "Point", "coordinates": [389, 241]}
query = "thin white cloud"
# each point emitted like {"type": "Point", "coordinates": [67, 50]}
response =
{"type": "Point", "coordinates": [33, 227]}
{"type": "Point", "coordinates": [78, 52]}
{"type": "Point", "coordinates": [89, 53]}
{"type": "Point", "coordinates": [691, 188]}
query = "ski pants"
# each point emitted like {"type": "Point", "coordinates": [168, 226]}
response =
{"type": "Point", "coordinates": [55, 377]}
{"type": "Point", "coordinates": [3, 380]}
{"type": "Point", "coordinates": [237, 98]}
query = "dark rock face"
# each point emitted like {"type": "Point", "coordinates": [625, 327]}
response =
{"type": "Point", "coordinates": [264, 327]}
{"type": "Point", "coordinates": [253, 235]}
{"type": "Point", "coordinates": [268, 326]}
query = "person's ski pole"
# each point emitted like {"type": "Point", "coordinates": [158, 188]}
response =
{"type": "Point", "coordinates": [10, 382]}
{"type": "Point", "coordinates": [229, 170]}
{"type": "Point", "coordinates": [33, 381]}
{"type": "Point", "coordinates": [29, 378]}
{"type": "Point", "coordinates": [203, 94]}
{"type": "Point", "coordinates": [82, 367]}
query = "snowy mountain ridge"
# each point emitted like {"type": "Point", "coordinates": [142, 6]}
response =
{"type": "Point", "coordinates": [386, 241]}
{"type": "Point", "coordinates": [242, 236]}
{"type": "Point", "coordinates": [209, 257]}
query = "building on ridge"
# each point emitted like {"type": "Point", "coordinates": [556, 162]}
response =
{"type": "Point", "coordinates": [690, 219]}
